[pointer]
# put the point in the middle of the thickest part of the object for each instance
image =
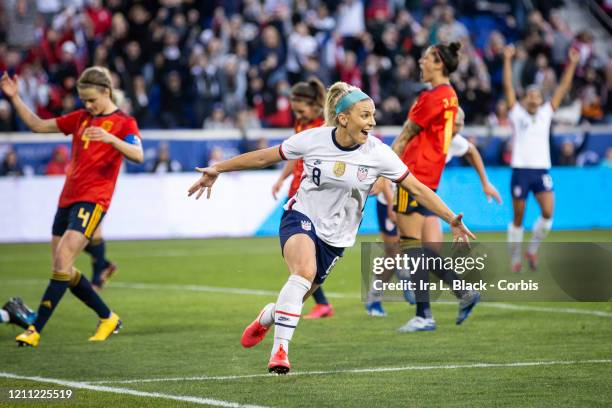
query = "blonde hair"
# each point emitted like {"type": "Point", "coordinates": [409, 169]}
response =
{"type": "Point", "coordinates": [99, 78]}
{"type": "Point", "coordinates": [334, 94]}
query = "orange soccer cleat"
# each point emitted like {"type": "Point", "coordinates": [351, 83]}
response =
{"type": "Point", "coordinates": [279, 362]}
{"type": "Point", "coordinates": [319, 311]}
{"type": "Point", "coordinates": [254, 332]}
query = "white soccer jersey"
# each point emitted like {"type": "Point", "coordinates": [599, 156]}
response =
{"type": "Point", "coordinates": [530, 139]}
{"type": "Point", "coordinates": [458, 148]}
{"type": "Point", "coordinates": [337, 180]}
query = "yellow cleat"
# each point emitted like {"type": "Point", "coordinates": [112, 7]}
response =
{"type": "Point", "coordinates": [28, 338]}
{"type": "Point", "coordinates": [106, 327]}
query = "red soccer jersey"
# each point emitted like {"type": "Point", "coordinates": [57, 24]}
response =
{"type": "Point", "coordinates": [298, 168]}
{"type": "Point", "coordinates": [95, 165]}
{"type": "Point", "coordinates": [425, 155]}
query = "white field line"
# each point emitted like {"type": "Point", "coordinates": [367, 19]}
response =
{"type": "Point", "coordinates": [337, 295]}
{"type": "Point", "coordinates": [127, 391]}
{"type": "Point", "coordinates": [361, 371]}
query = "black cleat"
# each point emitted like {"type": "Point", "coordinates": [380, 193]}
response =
{"type": "Point", "coordinates": [19, 313]}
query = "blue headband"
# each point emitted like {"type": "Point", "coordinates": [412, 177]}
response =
{"type": "Point", "coordinates": [350, 99]}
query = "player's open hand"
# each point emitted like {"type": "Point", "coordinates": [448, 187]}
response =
{"type": "Point", "coordinates": [8, 85]}
{"type": "Point", "coordinates": [98, 134]}
{"type": "Point", "coordinates": [461, 233]}
{"type": "Point", "coordinates": [573, 55]}
{"type": "Point", "coordinates": [492, 193]}
{"type": "Point", "coordinates": [209, 176]}
{"type": "Point", "coordinates": [509, 51]}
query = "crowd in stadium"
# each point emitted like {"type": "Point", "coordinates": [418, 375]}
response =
{"type": "Point", "coordinates": [230, 64]}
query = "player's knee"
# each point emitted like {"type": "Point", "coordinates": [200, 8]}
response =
{"type": "Point", "coordinates": [65, 275]}
{"type": "Point", "coordinates": [63, 261]}
{"type": "Point", "coordinates": [305, 272]}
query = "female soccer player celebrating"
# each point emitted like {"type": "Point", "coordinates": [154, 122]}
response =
{"type": "Point", "coordinates": [101, 136]}
{"type": "Point", "coordinates": [432, 230]}
{"type": "Point", "coordinates": [531, 156]}
{"type": "Point", "coordinates": [429, 131]}
{"type": "Point", "coordinates": [341, 163]}
{"type": "Point", "coordinates": [307, 100]}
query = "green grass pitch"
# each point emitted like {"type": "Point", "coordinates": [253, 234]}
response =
{"type": "Point", "coordinates": [180, 322]}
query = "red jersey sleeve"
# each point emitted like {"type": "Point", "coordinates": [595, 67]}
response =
{"type": "Point", "coordinates": [68, 124]}
{"type": "Point", "coordinates": [130, 127]}
{"type": "Point", "coordinates": [424, 110]}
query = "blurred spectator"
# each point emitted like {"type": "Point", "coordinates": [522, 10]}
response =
{"type": "Point", "coordinates": [449, 29]}
{"type": "Point", "coordinates": [591, 100]}
{"type": "Point", "coordinates": [573, 152]}
{"type": "Point", "coordinates": [500, 116]}
{"type": "Point", "coordinates": [10, 164]}
{"type": "Point", "coordinates": [301, 45]}
{"type": "Point", "coordinates": [278, 110]}
{"type": "Point", "coordinates": [174, 103]}
{"type": "Point", "coordinates": [567, 154]}
{"type": "Point", "coordinates": [21, 19]}
{"type": "Point", "coordinates": [607, 160]}
{"type": "Point", "coordinates": [506, 153]}
{"type": "Point", "coordinates": [351, 18]}
{"type": "Point", "coordinates": [66, 74]}
{"type": "Point", "coordinates": [215, 156]}
{"type": "Point", "coordinates": [6, 116]}
{"type": "Point", "coordinates": [217, 119]}
{"type": "Point", "coordinates": [60, 160]}
{"type": "Point", "coordinates": [163, 163]}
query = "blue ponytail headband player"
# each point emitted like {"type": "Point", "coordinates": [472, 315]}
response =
{"type": "Point", "coordinates": [350, 99]}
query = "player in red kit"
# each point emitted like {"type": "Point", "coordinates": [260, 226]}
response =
{"type": "Point", "coordinates": [307, 100]}
{"type": "Point", "coordinates": [423, 145]}
{"type": "Point", "coordinates": [101, 136]}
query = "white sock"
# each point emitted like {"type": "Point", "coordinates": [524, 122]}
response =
{"type": "Point", "coordinates": [515, 241]}
{"type": "Point", "coordinates": [267, 315]}
{"type": "Point", "coordinates": [288, 310]}
{"type": "Point", "coordinates": [4, 316]}
{"type": "Point", "coordinates": [541, 228]}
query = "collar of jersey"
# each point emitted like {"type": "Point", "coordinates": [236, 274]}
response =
{"type": "Point", "coordinates": [108, 114]}
{"type": "Point", "coordinates": [346, 149]}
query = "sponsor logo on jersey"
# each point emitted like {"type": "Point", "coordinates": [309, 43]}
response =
{"type": "Point", "coordinates": [317, 162]}
{"type": "Point", "coordinates": [306, 225]}
{"type": "Point", "coordinates": [362, 173]}
{"type": "Point", "coordinates": [339, 168]}
{"type": "Point", "coordinates": [282, 318]}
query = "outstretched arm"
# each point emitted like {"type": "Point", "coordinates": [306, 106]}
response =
{"type": "Point", "coordinates": [566, 80]}
{"type": "Point", "coordinates": [252, 160]}
{"type": "Point", "coordinates": [425, 196]}
{"type": "Point", "coordinates": [32, 121]}
{"type": "Point", "coordinates": [474, 158]}
{"type": "Point", "coordinates": [509, 52]}
{"type": "Point", "coordinates": [409, 130]}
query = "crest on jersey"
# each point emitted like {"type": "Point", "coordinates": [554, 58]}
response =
{"type": "Point", "coordinates": [107, 125]}
{"type": "Point", "coordinates": [306, 225]}
{"type": "Point", "coordinates": [362, 173]}
{"type": "Point", "coordinates": [339, 168]}
{"type": "Point", "coordinates": [317, 162]}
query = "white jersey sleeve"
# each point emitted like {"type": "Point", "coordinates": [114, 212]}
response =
{"type": "Point", "coordinates": [459, 147]}
{"type": "Point", "coordinates": [296, 146]}
{"type": "Point", "coordinates": [391, 166]}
